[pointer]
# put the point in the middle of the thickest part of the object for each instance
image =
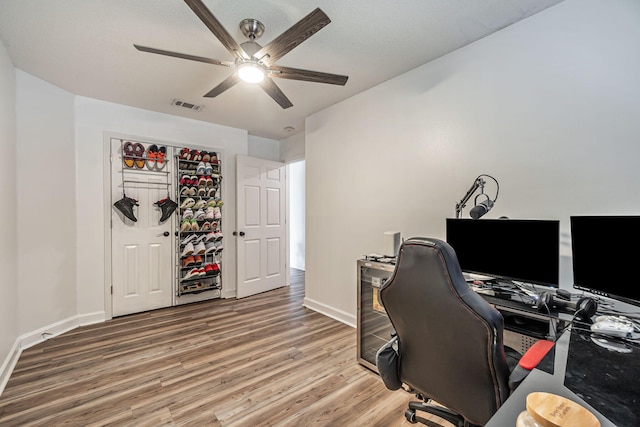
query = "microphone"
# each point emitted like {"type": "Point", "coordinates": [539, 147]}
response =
{"type": "Point", "coordinates": [480, 209]}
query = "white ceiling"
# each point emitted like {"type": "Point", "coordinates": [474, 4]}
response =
{"type": "Point", "coordinates": [86, 48]}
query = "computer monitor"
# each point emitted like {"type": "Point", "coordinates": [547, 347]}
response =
{"type": "Point", "coordinates": [513, 249]}
{"type": "Point", "coordinates": [605, 255]}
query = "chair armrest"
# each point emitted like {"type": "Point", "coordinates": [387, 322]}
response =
{"type": "Point", "coordinates": [528, 361]}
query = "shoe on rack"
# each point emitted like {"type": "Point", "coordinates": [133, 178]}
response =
{"type": "Point", "coordinates": [206, 157]}
{"type": "Point", "coordinates": [209, 181]}
{"type": "Point", "coordinates": [211, 203]}
{"type": "Point", "coordinates": [216, 213]}
{"type": "Point", "coordinates": [208, 169]}
{"type": "Point", "coordinates": [209, 214]}
{"type": "Point", "coordinates": [187, 203]}
{"type": "Point", "coordinates": [188, 250]}
{"type": "Point", "coordinates": [200, 170]}
{"type": "Point", "coordinates": [200, 249]}
{"type": "Point", "coordinates": [160, 158]}
{"type": "Point", "coordinates": [195, 156]}
{"type": "Point", "coordinates": [218, 235]}
{"type": "Point", "coordinates": [187, 191]}
{"type": "Point", "coordinates": [202, 192]}
{"type": "Point", "coordinates": [190, 260]}
{"type": "Point", "coordinates": [201, 271]}
{"type": "Point", "coordinates": [210, 236]}
{"type": "Point", "coordinates": [194, 225]}
{"type": "Point", "coordinates": [185, 225]}
{"type": "Point", "coordinates": [202, 181]}
{"type": "Point", "coordinates": [212, 269]}
{"type": "Point", "coordinates": [125, 205]}
{"type": "Point", "coordinates": [218, 247]}
{"type": "Point", "coordinates": [187, 214]}
{"type": "Point", "coordinates": [199, 215]}
{"type": "Point", "coordinates": [219, 203]}
{"type": "Point", "coordinates": [197, 259]}
{"type": "Point", "coordinates": [185, 153]}
{"type": "Point", "coordinates": [210, 247]}
{"type": "Point", "coordinates": [199, 204]}
{"type": "Point", "coordinates": [194, 272]}
{"type": "Point", "coordinates": [198, 239]}
{"type": "Point", "coordinates": [152, 156]}
{"type": "Point", "coordinates": [206, 226]}
{"type": "Point", "coordinates": [189, 238]}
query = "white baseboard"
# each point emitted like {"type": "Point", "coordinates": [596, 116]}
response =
{"type": "Point", "coordinates": [339, 315]}
{"type": "Point", "coordinates": [32, 338]}
{"type": "Point", "coordinates": [9, 363]}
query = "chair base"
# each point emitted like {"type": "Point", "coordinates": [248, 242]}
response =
{"type": "Point", "coordinates": [444, 413]}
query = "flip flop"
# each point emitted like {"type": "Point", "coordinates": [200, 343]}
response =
{"type": "Point", "coordinates": [152, 152]}
{"type": "Point", "coordinates": [127, 153]}
{"type": "Point", "coordinates": [138, 152]}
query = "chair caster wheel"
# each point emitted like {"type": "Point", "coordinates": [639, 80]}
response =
{"type": "Point", "coordinates": [410, 415]}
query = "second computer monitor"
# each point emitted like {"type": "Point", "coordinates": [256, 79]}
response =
{"type": "Point", "coordinates": [513, 249]}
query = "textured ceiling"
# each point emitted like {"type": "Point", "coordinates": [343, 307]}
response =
{"type": "Point", "coordinates": [86, 47]}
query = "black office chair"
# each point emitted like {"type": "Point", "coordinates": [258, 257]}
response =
{"type": "Point", "coordinates": [449, 340]}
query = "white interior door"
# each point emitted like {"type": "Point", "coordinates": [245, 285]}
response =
{"type": "Point", "coordinates": [261, 186]}
{"type": "Point", "coordinates": [141, 251]}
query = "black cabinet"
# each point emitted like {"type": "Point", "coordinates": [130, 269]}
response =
{"type": "Point", "coordinates": [374, 328]}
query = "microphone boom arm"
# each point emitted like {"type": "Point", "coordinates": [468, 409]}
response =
{"type": "Point", "coordinates": [478, 183]}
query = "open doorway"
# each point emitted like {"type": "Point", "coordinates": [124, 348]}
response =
{"type": "Point", "coordinates": [297, 215]}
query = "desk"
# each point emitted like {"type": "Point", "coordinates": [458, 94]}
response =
{"type": "Point", "coordinates": [604, 381]}
{"type": "Point", "coordinates": [524, 325]}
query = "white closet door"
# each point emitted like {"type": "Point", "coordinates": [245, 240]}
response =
{"type": "Point", "coordinates": [141, 251]}
{"type": "Point", "coordinates": [261, 186]}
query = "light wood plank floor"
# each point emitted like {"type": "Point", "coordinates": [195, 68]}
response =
{"type": "Point", "coordinates": [258, 361]}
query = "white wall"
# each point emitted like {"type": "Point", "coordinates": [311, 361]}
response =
{"type": "Point", "coordinates": [292, 148]}
{"type": "Point", "coordinates": [96, 118]}
{"type": "Point", "coordinates": [46, 203]}
{"type": "Point", "coordinates": [297, 242]}
{"type": "Point", "coordinates": [264, 148]}
{"type": "Point", "coordinates": [549, 106]}
{"type": "Point", "coordinates": [8, 215]}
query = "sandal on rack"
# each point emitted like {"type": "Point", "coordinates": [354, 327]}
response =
{"type": "Point", "coordinates": [127, 154]}
{"type": "Point", "coordinates": [138, 154]}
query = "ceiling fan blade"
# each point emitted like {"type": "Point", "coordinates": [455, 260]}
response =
{"type": "Point", "coordinates": [216, 28]}
{"type": "Point", "coordinates": [307, 75]}
{"type": "Point", "coordinates": [183, 55]}
{"type": "Point", "coordinates": [274, 92]}
{"type": "Point", "coordinates": [299, 32]}
{"type": "Point", "coordinates": [226, 84]}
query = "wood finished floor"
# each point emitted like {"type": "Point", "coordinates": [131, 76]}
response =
{"type": "Point", "coordinates": [264, 360]}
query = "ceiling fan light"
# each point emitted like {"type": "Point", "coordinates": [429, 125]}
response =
{"type": "Point", "coordinates": [250, 73]}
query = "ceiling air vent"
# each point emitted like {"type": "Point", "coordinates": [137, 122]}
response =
{"type": "Point", "coordinates": [188, 105]}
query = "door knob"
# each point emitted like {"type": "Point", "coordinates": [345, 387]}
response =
{"type": "Point", "coordinates": [241, 233]}
{"type": "Point", "coordinates": [166, 234]}
{"type": "Point", "coordinates": [235, 233]}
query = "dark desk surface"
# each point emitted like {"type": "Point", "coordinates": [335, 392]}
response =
{"type": "Point", "coordinates": [605, 381]}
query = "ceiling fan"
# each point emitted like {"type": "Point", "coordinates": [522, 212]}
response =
{"type": "Point", "coordinates": [254, 63]}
